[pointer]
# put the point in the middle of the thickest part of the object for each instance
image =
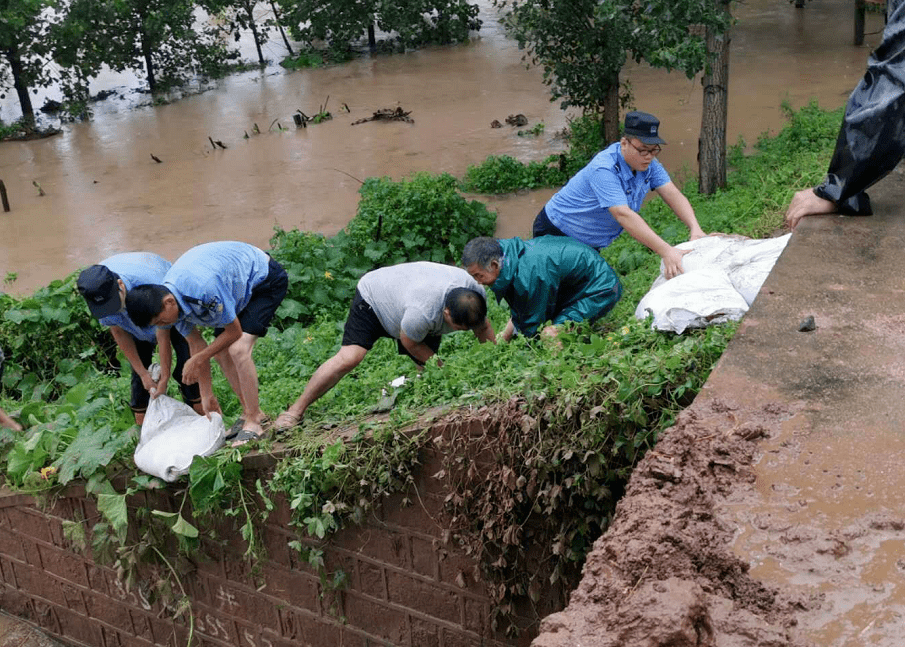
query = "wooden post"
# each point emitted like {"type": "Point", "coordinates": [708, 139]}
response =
{"type": "Point", "coordinates": [860, 7]}
{"type": "Point", "coordinates": [3, 197]}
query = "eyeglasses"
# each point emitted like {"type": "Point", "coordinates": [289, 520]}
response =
{"type": "Point", "coordinates": [646, 152]}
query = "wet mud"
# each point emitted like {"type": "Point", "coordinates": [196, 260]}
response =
{"type": "Point", "coordinates": [665, 575]}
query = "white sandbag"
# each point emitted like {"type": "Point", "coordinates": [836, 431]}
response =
{"type": "Point", "coordinates": [720, 274]}
{"type": "Point", "coordinates": [172, 434]}
{"type": "Point", "coordinates": [692, 300]}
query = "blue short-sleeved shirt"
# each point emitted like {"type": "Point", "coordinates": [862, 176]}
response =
{"type": "Point", "coordinates": [135, 268]}
{"type": "Point", "coordinates": [581, 208]}
{"type": "Point", "coordinates": [212, 282]}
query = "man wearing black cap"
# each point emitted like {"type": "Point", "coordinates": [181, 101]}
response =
{"type": "Point", "coordinates": [604, 197]}
{"type": "Point", "coordinates": [104, 287]}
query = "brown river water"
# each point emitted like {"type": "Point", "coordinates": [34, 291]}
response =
{"type": "Point", "coordinates": [105, 194]}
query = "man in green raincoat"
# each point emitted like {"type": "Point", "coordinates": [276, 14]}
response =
{"type": "Point", "coordinates": [551, 278]}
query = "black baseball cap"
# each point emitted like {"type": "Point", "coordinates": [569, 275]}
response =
{"type": "Point", "coordinates": [643, 126]}
{"type": "Point", "coordinates": [98, 284]}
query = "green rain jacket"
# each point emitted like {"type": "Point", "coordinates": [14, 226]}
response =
{"type": "Point", "coordinates": [554, 278]}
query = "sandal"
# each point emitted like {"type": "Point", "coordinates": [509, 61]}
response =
{"type": "Point", "coordinates": [235, 429]}
{"type": "Point", "coordinates": [286, 422]}
{"type": "Point", "coordinates": [246, 436]}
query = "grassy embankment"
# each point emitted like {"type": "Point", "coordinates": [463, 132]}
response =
{"type": "Point", "coordinates": [599, 401]}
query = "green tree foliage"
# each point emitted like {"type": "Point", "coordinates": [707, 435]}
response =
{"type": "Point", "coordinates": [155, 36]}
{"type": "Point", "coordinates": [24, 27]}
{"type": "Point", "coordinates": [340, 23]}
{"type": "Point", "coordinates": [582, 45]}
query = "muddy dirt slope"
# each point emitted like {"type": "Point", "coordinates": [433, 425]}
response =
{"type": "Point", "coordinates": [773, 513]}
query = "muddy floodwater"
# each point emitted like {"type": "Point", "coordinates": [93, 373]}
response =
{"type": "Point", "coordinates": [106, 194]}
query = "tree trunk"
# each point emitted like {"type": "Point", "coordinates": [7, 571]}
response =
{"type": "Point", "coordinates": [279, 21]}
{"type": "Point", "coordinates": [15, 64]}
{"type": "Point", "coordinates": [149, 63]}
{"type": "Point", "coordinates": [372, 38]}
{"type": "Point", "coordinates": [249, 8]}
{"type": "Point", "coordinates": [712, 142]}
{"type": "Point", "coordinates": [611, 114]}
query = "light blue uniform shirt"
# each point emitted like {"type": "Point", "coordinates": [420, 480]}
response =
{"type": "Point", "coordinates": [212, 282]}
{"type": "Point", "coordinates": [135, 268]}
{"type": "Point", "coordinates": [581, 208]}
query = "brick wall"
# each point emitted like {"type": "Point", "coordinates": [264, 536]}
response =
{"type": "Point", "coordinates": [404, 586]}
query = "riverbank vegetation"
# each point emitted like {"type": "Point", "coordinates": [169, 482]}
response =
{"type": "Point", "coordinates": [595, 400]}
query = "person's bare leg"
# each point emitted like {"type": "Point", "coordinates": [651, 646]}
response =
{"type": "Point", "coordinates": [326, 377]}
{"type": "Point", "coordinates": [807, 203]}
{"type": "Point", "coordinates": [246, 374]}
{"type": "Point", "coordinates": [228, 366]}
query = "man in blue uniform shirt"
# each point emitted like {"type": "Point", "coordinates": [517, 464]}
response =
{"type": "Point", "coordinates": [603, 198]}
{"type": "Point", "coordinates": [104, 287]}
{"type": "Point", "coordinates": [234, 288]}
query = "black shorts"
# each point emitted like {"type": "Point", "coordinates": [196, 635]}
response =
{"type": "Point", "coordinates": [140, 397]}
{"type": "Point", "coordinates": [363, 328]}
{"type": "Point", "coordinates": [266, 297]}
{"type": "Point", "coordinates": [543, 226]}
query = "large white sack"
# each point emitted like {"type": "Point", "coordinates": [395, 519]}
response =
{"type": "Point", "coordinates": [172, 434]}
{"type": "Point", "coordinates": [720, 274]}
{"type": "Point", "coordinates": [692, 300]}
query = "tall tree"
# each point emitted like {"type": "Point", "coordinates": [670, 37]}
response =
{"type": "Point", "coordinates": [24, 51]}
{"type": "Point", "coordinates": [583, 44]}
{"type": "Point", "coordinates": [156, 36]}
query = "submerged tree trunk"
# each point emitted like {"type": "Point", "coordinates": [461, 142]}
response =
{"type": "Point", "coordinates": [279, 22]}
{"type": "Point", "coordinates": [712, 142]}
{"type": "Point", "coordinates": [15, 64]}
{"type": "Point", "coordinates": [372, 38]}
{"type": "Point", "coordinates": [149, 63]}
{"type": "Point", "coordinates": [249, 8]}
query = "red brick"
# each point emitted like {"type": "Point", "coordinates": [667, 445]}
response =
{"type": "Point", "coordinates": [162, 629]}
{"type": "Point", "coordinates": [376, 619]}
{"type": "Point", "coordinates": [425, 634]}
{"type": "Point", "coordinates": [411, 516]}
{"type": "Point", "coordinates": [111, 637]}
{"type": "Point", "coordinates": [240, 604]}
{"type": "Point", "coordinates": [66, 565]}
{"type": "Point", "coordinates": [371, 581]}
{"type": "Point", "coordinates": [378, 544]}
{"type": "Point", "coordinates": [477, 616]}
{"type": "Point", "coordinates": [454, 564]}
{"type": "Point", "coordinates": [7, 573]}
{"type": "Point", "coordinates": [35, 582]}
{"type": "Point", "coordinates": [237, 569]}
{"type": "Point", "coordinates": [28, 523]}
{"type": "Point", "coordinates": [424, 597]}
{"type": "Point", "coordinates": [11, 545]}
{"type": "Point", "coordinates": [460, 639]}
{"type": "Point", "coordinates": [297, 589]}
{"type": "Point", "coordinates": [304, 629]}
{"type": "Point", "coordinates": [97, 579]}
{"type": "Point", "coordinates": [78, 628]}
{"type": "Point", "coordinates": [14, 603]}
{"type": "Point", "coordinates": [276, 543]}
{"type": "Point", "coordinates": [32, 554]}
{"type": "Point", "coordinates": [216, 626]}
{"type": "Point", "coordinates": [110, 612]}
{"type": "Point", "coordinates": [141, 625]}
{"type": "Point", "coordinates": [44, 615]}
{"type": "Point", "coordinates": [424, 557]}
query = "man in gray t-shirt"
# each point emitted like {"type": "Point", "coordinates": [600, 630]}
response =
{"type": "Point", "coordinates": [413, 303]}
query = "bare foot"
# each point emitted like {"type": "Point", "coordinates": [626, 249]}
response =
{"type": "Point", "coordinates": [807, 203]}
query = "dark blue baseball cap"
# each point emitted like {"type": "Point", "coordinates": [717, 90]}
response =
{"type": "Point", "coordinates": [643, 126]}
{"type": "Point", "coordinates": [98, 284]}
